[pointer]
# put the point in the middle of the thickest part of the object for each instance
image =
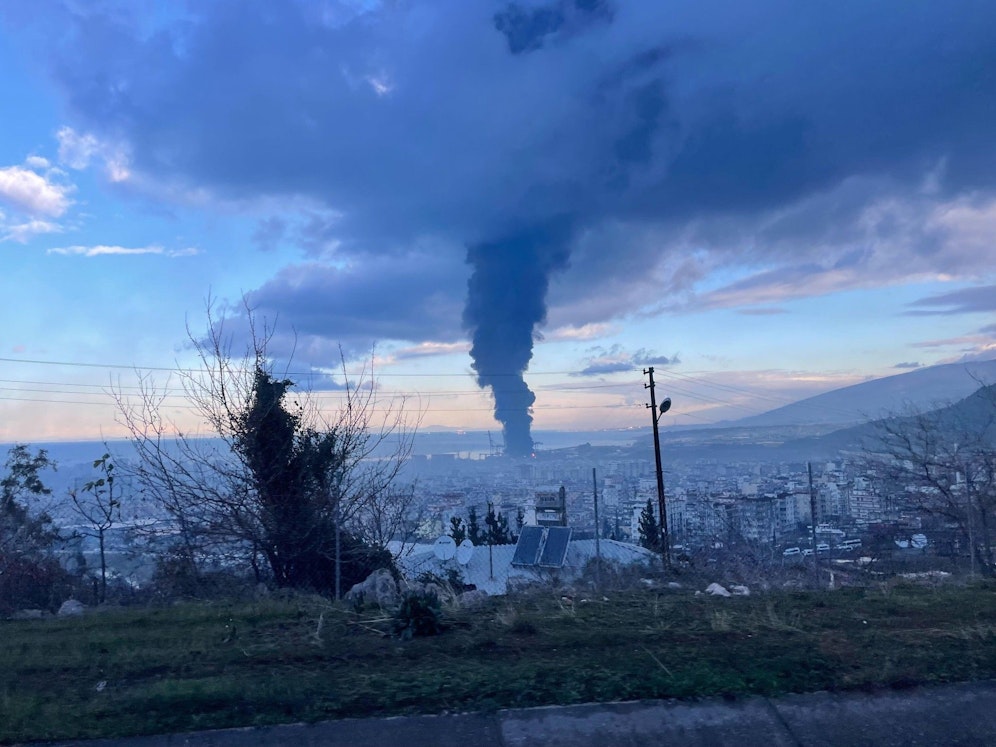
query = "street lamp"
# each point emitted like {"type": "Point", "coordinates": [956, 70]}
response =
{"type": "Point", "coordinates": [657, 412]}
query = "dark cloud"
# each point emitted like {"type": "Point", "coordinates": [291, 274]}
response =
{"type": "Point", "coordinates": [908, 365]}
{"type": "Point", "coordinates": [608, 367]}
{"type": "Point", "coordinates": [807, 142]}
{"type": "Point", "coordinates": [320, 306]}
{"type": "Point", "coordinates": [644, 357]}
{"type": "Point", "coordinates": [617, 360]}
{"type": "Point", "coordinates": [530, 28]}
{"type": "Point", "coordinates": [963, 301]}
{"type": "Point", "coordinates": [269, 233]}
{"type": "Point", "coordinates": [412, 119]}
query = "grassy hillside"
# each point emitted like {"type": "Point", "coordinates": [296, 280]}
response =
{"type": "Point", "coordinates": [197, 666]}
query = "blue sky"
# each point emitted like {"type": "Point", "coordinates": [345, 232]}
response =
{"type": "Point", "coordinates": [762, 200]}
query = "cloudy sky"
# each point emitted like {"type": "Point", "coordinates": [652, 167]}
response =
{"type": "Point", "coordinates": [762, 200]}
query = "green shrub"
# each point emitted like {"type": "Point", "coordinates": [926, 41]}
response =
{"type": "Point", "coordinates": [420, 614]}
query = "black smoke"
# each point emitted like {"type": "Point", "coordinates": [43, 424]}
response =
{"type": "Point", "coordinates": [528, 29]}
{"type": "Point", "coordinates": [736, 135]}
{"type": "Point", "coordinates": [506, 300]}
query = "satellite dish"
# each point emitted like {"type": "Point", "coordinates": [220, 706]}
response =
{"type": "Point", "coordinates": [665, 405]}
{"type": "Point", "coordinates": [465, 552]}
{"type": "Point", "coordinates": [444, 547]}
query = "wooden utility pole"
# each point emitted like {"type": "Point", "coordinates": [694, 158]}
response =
{"type": "Point", "coordinates": [598, 531]}
{"type": "Point", "coordinates": [665, 544]}
{"type": "Point", "coordinates": [812, 516]}
{"type": "Point", "coordinates": [338, 550]}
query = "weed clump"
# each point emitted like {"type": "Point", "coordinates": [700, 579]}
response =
{"type": "Point", "coordinates": [420, 614]}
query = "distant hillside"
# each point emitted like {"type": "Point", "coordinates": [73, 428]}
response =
{"type": "Point", "coordinates": [924, 388]}
{"type": "Point", "coordinates": [973, 413]}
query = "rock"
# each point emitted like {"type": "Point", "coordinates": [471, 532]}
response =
{"type": "Point", "coordinates": [717, 591]}
{"type": "Point", "coordinates": [740, 590]}
{"type": "Point", "coordinates": [29, 615]}
{"type": "Point", "coordinates": [71, 608]}
{"type": "Point", "coordinates": [673, 585]}
{"type": "Point", "coordinates": [379, 589]}
{"type": "Point", "coordinates": [472, 600]}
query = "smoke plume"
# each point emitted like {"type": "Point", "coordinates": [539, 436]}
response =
{"type": "Point", "coordinates": [506, 300]}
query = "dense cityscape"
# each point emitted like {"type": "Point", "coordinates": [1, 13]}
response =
{"type": "Point", "coordinates": [709, 504]}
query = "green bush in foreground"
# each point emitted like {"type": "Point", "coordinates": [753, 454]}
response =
{"type": "Point", "coordinates": [420, 614]}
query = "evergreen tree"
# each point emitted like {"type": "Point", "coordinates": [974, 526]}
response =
{"type": "Point", "coordinates": [504, 531]}
{"type": "Point", "coordinates": [520, 520]}
{"type": "Point", "coordinates": [498, 532]}
{"type": "Point", "coordinates": [457, 530]}
{"type": "Point", "coordinates": [474, 533]}
{"type": "Point", "coordinates": [491, 522]}
{"type": "Point", "coordinates": [650, 533]}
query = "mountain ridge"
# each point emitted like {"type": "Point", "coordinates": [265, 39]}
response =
{"type": "Point", "coordinates": [930, 387]}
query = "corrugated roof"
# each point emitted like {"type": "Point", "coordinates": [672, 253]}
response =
{"type": "Point", "coordinates": [581, 551]}
{"type": "Point", "coordinates": [491, 571]}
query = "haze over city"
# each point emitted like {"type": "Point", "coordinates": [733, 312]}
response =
{"type": "Point", "coordinates": [763, 201]}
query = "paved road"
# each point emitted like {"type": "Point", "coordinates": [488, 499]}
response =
{"type": "Point", "coordinates": [962, 714]}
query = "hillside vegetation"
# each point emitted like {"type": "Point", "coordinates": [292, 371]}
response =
{"type": "Point", "coordinates": [191, 666]}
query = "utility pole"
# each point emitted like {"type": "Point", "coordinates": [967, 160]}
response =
{"type": "Point", "coordinates": [338, 551]}
{"type": "Point", "coordinates": [665, 544]}
{"type": "Point", "coordinates": [598, 531]}
{"type": "Point", "coordinates": [812, 514]}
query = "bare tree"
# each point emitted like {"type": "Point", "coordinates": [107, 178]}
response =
{"type": "Point", "coordinates": [392, 517]}
{"type": "Point", "coordinates": [943, 464]}
{"type": "Point", "coordinates": [286, 488]}
{"type": "Point", "coordinates": [99, 504]}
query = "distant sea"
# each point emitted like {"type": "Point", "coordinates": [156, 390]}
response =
{"type": "Point", "coordinates": [476, 444]}
{"type": "Point", "coordinates": [76, 457]}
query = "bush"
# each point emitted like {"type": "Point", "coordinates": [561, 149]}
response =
{"type": "Point", "coordinates": [420, 614]}
{"type": "Point", "coordinates": [39, 583]}
{"type": "Point", "coordinates": [177, 576]}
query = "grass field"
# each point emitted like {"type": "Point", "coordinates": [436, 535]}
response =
{"type": "Point", "coordinates": [199, 665]}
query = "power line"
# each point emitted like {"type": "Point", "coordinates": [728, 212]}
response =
{"type": "Point", "coordinates": [110, 402]}
{"type": "Point", "coordinates": [180, 369]}
{"type": "Point", "coordinates": [173, 391]}
{"type": "Point", "coordinates": [327, 395]}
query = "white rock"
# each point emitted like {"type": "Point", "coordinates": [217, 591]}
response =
{"type": "Point", "coordinates": [740, 590]}
{"type": "Point", "coordinates": [379, 589]}
{"type": "Point", "coordinates": [71, 608]}
{"type": "Point", "coordinates": [717, 591]}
